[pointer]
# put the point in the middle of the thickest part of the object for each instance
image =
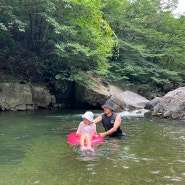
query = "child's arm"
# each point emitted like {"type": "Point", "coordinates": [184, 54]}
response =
{"type": "Point", "coordinates": [79, 129]}
{"type": "Point", "coordinates": [78, 134]}
{"type": "Point", "coordinates": [94, 129]}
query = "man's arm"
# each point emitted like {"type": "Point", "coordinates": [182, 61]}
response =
{"type": "Point", "coordinates": [98, 119]}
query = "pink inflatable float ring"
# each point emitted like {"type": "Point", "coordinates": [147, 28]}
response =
{"type": "Point", "coordinates": [74, 139]}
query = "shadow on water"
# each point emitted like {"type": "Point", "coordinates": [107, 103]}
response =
{"type": "Point", "coordinates": [34, 150]}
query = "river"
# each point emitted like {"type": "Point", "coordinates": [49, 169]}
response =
{"type": "Point", "coordinates": [34, 151]}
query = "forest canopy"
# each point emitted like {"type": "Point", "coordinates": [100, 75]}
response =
{"type": "Point", "coordinates": [130, 42]}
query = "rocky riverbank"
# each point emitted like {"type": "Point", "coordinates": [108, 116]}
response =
{"type": "Point", "coordinates": [21, 97]}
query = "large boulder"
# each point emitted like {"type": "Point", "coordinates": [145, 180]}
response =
{"type": "Point", "coordinates": [14, 96]}
{"type": "Point", "coordinates": [41, 96]}
{"type": "Point", "coordinates": [132, 100]}
{"type": "Point", "coordinates": [94, 97]}
{"type": "Point", "coordinates": [172, 105]}
{"type": "Point", "coordinates": [98, 93]}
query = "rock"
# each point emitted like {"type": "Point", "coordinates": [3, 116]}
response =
{"type": "Point", "coordinates": [119, 102]}
{"type": "Point", "coordinates": [172, 105]}
{"type": "Point", "coordinates": [98, 93]}
{"type": "Point", "coordinates": [132, 100]}
{"type": "Point", "coordinates": [152, 103]}
{"type": "Point", "coordinates": [89, 98]}
{"type": "Point", "coordinates": [15, 97]}
{"type": "Point", "coordinates": [41, 96]}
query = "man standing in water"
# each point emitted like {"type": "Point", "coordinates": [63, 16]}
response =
{"type": "Point", "coordinates": [111, 121]}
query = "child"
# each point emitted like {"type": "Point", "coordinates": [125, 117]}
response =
{"type": "Point", "coordinates": [86, 129]}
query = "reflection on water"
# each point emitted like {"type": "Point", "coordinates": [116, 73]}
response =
{"type": "Point", "coordinates": [34, 150]}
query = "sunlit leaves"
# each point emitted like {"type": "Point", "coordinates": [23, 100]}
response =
{"type": "Point", "coordinates": [3, 27]}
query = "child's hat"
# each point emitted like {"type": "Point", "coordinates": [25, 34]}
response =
{"type": "Point", "coordinates": [88, 115]}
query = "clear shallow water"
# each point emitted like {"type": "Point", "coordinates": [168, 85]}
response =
{"type": "Point", "coordinates": [34, 150]}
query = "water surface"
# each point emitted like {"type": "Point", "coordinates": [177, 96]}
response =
{"type": "Point", "coordinates": [34, 150]}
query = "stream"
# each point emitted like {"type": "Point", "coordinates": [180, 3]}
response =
{"type": "Point", "coordinates": [34, 151]}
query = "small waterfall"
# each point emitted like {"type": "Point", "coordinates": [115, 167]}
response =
{"type": "Point", "coordinates": [134, 113]}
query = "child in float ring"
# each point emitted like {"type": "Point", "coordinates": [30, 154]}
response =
{"type": "Point", "coordinates": [86, 129]}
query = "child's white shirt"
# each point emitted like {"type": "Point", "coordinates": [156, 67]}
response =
{"type": "Point", "coordinates": [86, 130]}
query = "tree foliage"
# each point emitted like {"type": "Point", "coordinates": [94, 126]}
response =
{"type": "Point", "coordinates": [135, 42]}
{"type": "Point", "coordinates": [151, 49]}
{"type": "Point", "coordinates": [57, 37]}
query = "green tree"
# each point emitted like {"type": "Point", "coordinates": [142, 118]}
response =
{"type": "Point", "coordinates": [150, 43]}
{"type": "Point", "coordinates": [91, 40]}
{"type": "Point", "coordinates": [57, 38]}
